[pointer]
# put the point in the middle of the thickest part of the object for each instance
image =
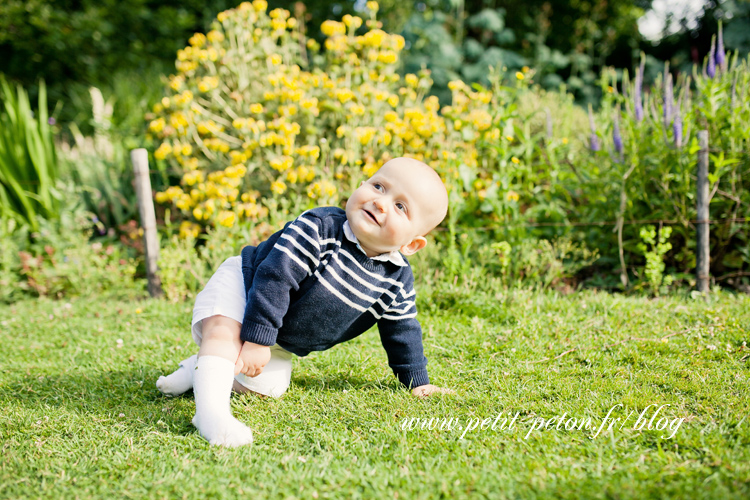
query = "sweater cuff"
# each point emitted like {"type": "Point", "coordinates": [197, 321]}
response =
{"type": "Point", "coordinates": [258, 334]}
{"type": "Point", "coordinates": [414, 379]}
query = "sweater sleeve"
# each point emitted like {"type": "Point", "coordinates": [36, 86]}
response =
{"type": "Point", "coordinates": [401, 336]}
{"type": "Point", "coordinates": [294, 257]}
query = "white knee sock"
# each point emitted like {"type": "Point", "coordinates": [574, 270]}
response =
{"type": "Point", "coordinates": [181, 380]}
{"type": "Point", "coordinates": [212, 386]}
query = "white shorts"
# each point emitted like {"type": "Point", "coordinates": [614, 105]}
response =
{"type": "Point", "coordinates": [224, 295]}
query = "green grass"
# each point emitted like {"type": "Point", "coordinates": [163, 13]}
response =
{"type": "Point", "coordinates": [81, 417]}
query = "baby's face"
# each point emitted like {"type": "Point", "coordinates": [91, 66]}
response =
{"type": "Point", "coordinates": [401, 202]}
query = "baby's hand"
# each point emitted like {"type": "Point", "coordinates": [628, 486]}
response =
{"type": "Point", "coordinates": [427, 389]}
{"type": "Point", "coordinates": [252, 359]}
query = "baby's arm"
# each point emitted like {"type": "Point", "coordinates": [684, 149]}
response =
{"type": "Point", "coordinates": [252, 359]}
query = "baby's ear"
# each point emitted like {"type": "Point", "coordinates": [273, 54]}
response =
{"type": "Point", "coordinates": [414, 246]}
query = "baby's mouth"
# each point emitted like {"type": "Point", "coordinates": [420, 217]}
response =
{"type": "Point", "coordinates": [370, 215]}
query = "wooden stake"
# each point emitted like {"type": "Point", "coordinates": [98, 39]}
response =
{"type": "Point", "coordinates": [139, 157]}
{"type": "Point", "coordinates": [702, 251]}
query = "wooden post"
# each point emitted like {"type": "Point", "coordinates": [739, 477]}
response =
{"type": "Point", "coordinates": [139, 157]}
{"type": "Point", "coordinates": [702, 251]}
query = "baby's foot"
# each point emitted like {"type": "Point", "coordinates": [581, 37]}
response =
{"type": "Point", "coordinates": [226, 431]}
{"type": "Point", "coordinates": [181, 380]}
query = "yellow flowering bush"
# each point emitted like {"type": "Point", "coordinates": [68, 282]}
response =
{"type": "Point", "coordinates": [255, 132]}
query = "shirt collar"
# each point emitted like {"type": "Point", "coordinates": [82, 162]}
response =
{"type": "Point", "coordinates": [393, 257]}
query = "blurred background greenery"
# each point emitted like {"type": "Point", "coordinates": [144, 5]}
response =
{"type": "Point", "coordinates": [85, 76]}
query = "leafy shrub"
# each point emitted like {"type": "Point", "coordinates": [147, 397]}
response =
{"type": "Point", "coordinates": [645, 163]}
{"type": "Point", "coordinates": [60, 260]}
{"type": "Point", "coordinates": [517, 161]}
{"type": "Point", "coordinates": [28, 160]}
{"type": "Point", "coordinates": [100, 166]}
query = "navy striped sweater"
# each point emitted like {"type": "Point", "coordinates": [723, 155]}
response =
{"type": "Point", "coordinates": [309, 288]}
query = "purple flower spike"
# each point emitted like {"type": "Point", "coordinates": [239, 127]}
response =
{"type": "Point", "coordinates": [720, 56]}
{"type": "Point", "coordinates": [638, 90]}
{"type": "Point", "coordinates": [51, 121]}
{"type": "Point", "coordinates": [616, 136]}
{"type": "Point", "coordinates": [594, 142]}
{"type": "Point", "coordinates": [668, 97]}
{"type": "Point", "coordinates": [677, 130]}
{"type": "Point", "coordinates": [677, 124]}
{"type": "Point", "coordinates": [711, 64]}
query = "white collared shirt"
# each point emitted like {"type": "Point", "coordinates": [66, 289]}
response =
{"type": "Point", "coordinates": [394, 256]}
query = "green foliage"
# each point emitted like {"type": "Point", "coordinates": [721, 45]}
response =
{"type": "Point", "coordinates": [563, 41]}
{"type": "Point", "coordinates": [654, 252]}
{"type": "Point", "coordinates": [28, 159]}
{"type": "Point", "coordinates": [653, 177]}
{"type": "Point", "coordinates": [100, 166]}
{"type": "Point", "coordinates": [88, 41]}
{"type": "Point", "coordinates": [61, 261]}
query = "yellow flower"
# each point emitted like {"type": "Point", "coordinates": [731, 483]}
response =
{"type": "Point", "coordinates": [227, 218]}
{"type": "Point", "coordinates": [156, 125]}
{"type": "Point", "coordinates": [411, 80]}
{"type": "Point", "coordinates": [256, 108]}
{"type": "Point", "coordinates": [198, 213]}
{"type": "Point", "coordinates": [509, 137]}
{"type": "Point", "coordinates": [387, 57]}
{"type": "Point", "coordinates": [291, 23]}
{"type": "Point", "coordinates": [197, 40]}
{"type": "Point", "coordinates": [279, 14]}
{"type": "Point", "coordinates": [393, 100]}
{"type": "Point", "coordinates": [365, 134]}
{"type": "Point", "coordinates": [330, 28]}
{"type": "Point", "coordinates": [565, 140]}
{"type": "Point", "coordinates": [511, 196]}
{"type": "Point", "coordinates": [260, 5]}
{"type": "Point", "coordinates": [352, 21]}
{"type": "Point", "coordinates": [215, 36]}
{"type": "Point", "coordinates": [164, 150]}
{"type": "Point", "coordinates": [519, 75]}
{"type": "Point", "coordinates": [373, 6]}
{"type": "Point", "coordinates": [191, 178]}
{"type": "Point", "coordinates": [515, 160]}
{"type": "Point", "coordinates": [370, 169]}
{"type": "Point", "coordinates": [455, 84]}
{"type": "Point", "coordinates": [398, 41]}
{"type": "Point", "coordinates": [278, 187]}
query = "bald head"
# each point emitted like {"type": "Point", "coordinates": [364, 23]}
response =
{"type": "Point", "coordinates": [427, 188]}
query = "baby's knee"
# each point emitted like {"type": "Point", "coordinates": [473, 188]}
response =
{"type": "Point", "coordinates": [221, 328]}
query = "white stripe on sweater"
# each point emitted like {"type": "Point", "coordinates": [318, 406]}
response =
{"type": "Point", "coordinates": [338, 294]}
{"type": "Point", "coordinates": [371, 301]}
{"type": "Point", "coordinates": [299, 247]}
{"type": "Point", "coordinates": [294, 258]}
{"type": "Point", "coordinates": [313, 242]}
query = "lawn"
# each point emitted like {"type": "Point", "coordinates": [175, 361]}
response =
{"type": "Point", "coordinates": [81, 417]}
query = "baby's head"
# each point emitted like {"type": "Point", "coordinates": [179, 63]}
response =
{"type": "Point", "coordinates": [396, 207]}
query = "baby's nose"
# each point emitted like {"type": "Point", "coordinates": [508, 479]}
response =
{"type": "Point", "coordinates": [379, 204]}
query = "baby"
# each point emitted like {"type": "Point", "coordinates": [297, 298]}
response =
{"type": "Point", "coordinates": [326, 278]}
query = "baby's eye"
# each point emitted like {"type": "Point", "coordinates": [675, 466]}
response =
{"type": "Point", "coordinates": [378, 186]}
{"type": "Point", "coordinates": [401, 206]}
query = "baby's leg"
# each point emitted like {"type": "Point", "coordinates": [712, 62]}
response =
{"type": "Point", "coordinates": [213, 380]}
{"type": "Point", "coordinates": [181, 380]}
